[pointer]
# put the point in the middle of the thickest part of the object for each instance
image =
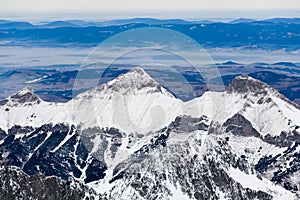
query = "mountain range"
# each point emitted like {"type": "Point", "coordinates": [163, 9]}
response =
{"type": "Point", "coordinates": [153, 21]}
{"type": "Point", "coordinates": [131, 139]}
{"type": "Point", "coordinates": [278, 33]}
{"type": "Point", "coordinates": [55, 83]}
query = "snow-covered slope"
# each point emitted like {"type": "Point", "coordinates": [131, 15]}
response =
{"type": "Point", "coordinates": [133, 102]}
{"type": "Point", "coordinates": [268, 111]}
{"type": "Point", "coordinates": [27, 109]}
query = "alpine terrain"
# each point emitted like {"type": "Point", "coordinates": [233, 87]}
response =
{"type": "Point", "coordinates": [132, 139]}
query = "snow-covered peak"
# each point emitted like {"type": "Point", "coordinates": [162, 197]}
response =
{"type": "Point", "coordinates": [136, 79]}
{"type": "Point", "coordinates": [25, 96]}
{"type": "Point", "coordinates": [133, 102]}
{"type": "Point", "coordinates": [265, 108]}
{"type": "Point", "coordinates": [245, 84]}
{"type": "Point", "coordinates": [135, 82]}
{"type": "Point", "coordinates": [26, 90]}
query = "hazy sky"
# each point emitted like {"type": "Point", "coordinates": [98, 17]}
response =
{"type": "Point", "coordinates": [221, 10]}
{"type": "Point", "coordinates": [138, 5]}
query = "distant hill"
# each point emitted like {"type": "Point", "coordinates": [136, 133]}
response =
{"type": "Point", "coordinates": [82, 23]}
{"type": "Point", "coordinates": [57, 24]}
{"type": "Point", "coordinates": [2, 21]}
{"type": "Point", "coordinates": [246, 33]}
{"type": "Point", "coordinates": [242, 20]}
{"type": "Point", "coordinates": [288, 64]}
{"type": "Point", "coordinates": [230, 63]}
{"type": "Point", "coordinates": [144, 21]}
{"type": "Point", "coordinates": [20, 25]}
{"type": "Point", "coordinates": [284, 20]}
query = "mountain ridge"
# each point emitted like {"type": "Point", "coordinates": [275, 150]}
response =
{"type": "Point", "coordinates": [204, 32]}
{"type": "Point", "coordinates": [214, 146]}
{"type": "Point", "coordinates": [133, 81]}
{"type": "Point", "coordinates": [246, 84]}
{"type": "Point", "coordinates": [137, 85]}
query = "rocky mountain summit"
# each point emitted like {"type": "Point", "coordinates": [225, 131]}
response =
{"type": "Point", "coordinates": [132, 139]}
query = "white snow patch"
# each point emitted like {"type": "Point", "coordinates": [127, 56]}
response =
{"type": "Point", "coordinates": [177, 194]}
{"type": "Point", "coordinates": [36, 80]}
{"type": "Point", "coordinates": [254, 183]}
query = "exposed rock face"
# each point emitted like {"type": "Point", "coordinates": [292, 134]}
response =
{"type": "Point", "coordinates": [61, 151]}
{"type": "Point", "coordinates": [15, 184]}
{"type": "Point", "coordinates": [149, 172]}
{"type": "Point", "coordinates": [286, 139]}
{"type": "Point", "coordinates": [189, 124]}
{"type": "Point", "coordinates": [51, 150]}
{"type": "Point", "coordinates": [239, 125]}
{"type": "Point", "coordinates": [245, 84]}
{"type": "Point", "coordinates": [25, 96]}
{"type": "Point", "coordinates": [2, 134]}
{"type": "Point", "coordinates": [275, 168]}
{"type": "Point", "coordinates": [3, 102]}
{"type": "Point", "coordinates": [17, 129]}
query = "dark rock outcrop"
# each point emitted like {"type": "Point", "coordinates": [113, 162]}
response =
{"type": "Point", "coordinates": [3, 102]}
{"type": "Point", "coordinates": [46, 150]}
{"type": "Point", "coordinates": [25, 96]}
{"type": "Point", "coordinates": [15, 184]}
{"type": "Point", "coordinates": [239, 125]}
{"type": "Point", "coordinates": [277, 165]}
{"type": "Point", "coordinates": [285, 139]}
{"type": "Point", "coordinates": [245, 84]}
{"type": "Point", "coordinates": [2, 134]}
{"type": "Point", "coordinates": [189, 124]}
